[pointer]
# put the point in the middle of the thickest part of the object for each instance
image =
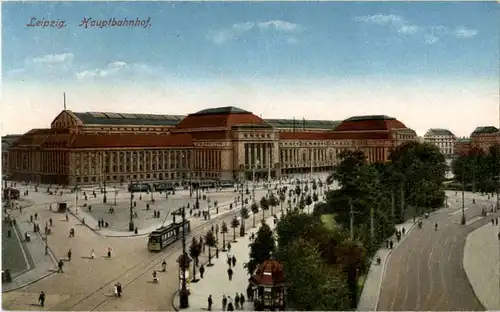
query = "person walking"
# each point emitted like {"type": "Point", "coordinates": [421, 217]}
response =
{"type": "Point", "coordinates": [60, 266]}
{"type": "Point", "coordinates": [230, 306]}
{"type": "Point", "coordinates": [230, 273]}
{"type": "Point", "coordinates": [229, 260]}
{"type": "Point", "coordinates": [234, 260]}
{"type": "Point", "coordinates": [210, 303]}
{"type": "Point", "coordinates": [69, 255]}
{"type": "Point", "coordinates": [119, 289]}
{"type": "Point", "coordinates": [92, 254]}
{"type": "Point", "coordinates": [202, 271]}
{"type": "Point", "coordinates": [224, 302]}
{"type": "Point", "coordinates": [164, 266]}
{"type": "Point", "coordinates": [155, 277]}
{"type": "Point", "coordinates": [242, 300]}
{"type": "Point", "coordinates": [109, 252]}
{"type": "Point", "coordinates": [229, 247]}
{"type": "Point", "coordinates": [237, 301]}
{"type": "Point", "coordinates": [41, 298]}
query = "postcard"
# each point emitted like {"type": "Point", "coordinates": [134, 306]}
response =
{"type": "Point", "coordinates": [250, 155]}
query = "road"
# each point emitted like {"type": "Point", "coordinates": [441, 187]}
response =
{"type": "Point", "coordinates": [426, 272]}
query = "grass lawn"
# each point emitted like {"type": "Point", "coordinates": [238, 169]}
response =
{"type": "Point", "coordinates": [329, 221]}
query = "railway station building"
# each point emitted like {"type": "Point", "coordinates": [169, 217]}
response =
{"type": "Point", "coordinates": [225, 143]}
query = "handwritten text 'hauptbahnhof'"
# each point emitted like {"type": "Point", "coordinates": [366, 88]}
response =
{"type": "Point", "coordinates": [88, 22]}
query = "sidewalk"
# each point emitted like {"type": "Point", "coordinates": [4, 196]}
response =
{"type": "Point", "coordinates": [482, 265]}
{"type": "Point", "coordinates": [39, 264]}
{"type": "Point", "coordinates": [368, 300]}
{"type": "Point", "coordinates": [215, 281]}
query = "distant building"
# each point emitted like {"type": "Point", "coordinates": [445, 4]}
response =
{"type": "Point", "coordinates": [484, 137]}
{"type": "Point", "coordinates": [224, 143]}
{"type": "Point", "coordinates": [462, 146]}
{"type": "Point", "coordinates": [7, 142]}
{"type": "Point", "coordinates": [444, 139]}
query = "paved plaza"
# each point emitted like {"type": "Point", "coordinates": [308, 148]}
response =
{"type": "Point", "coordinates": [482, 265]}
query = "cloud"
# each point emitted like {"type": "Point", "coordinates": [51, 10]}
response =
{"type": "Point", "coordinates": [464, 32]}
{"type": "Point", "coordinates": [52, 59]}
{"type": "Point", "coordinates": [379, 19]}
{"type": "Point", "coordinates": [429, 34]}
{"type": "Point", "coordinates": [237, 31]}
{"type": "Point", "coordinates": [50, 62]}
{"type": "Point", "coordinates": [117, 69]}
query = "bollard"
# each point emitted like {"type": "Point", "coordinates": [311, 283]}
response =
{"type": "Point", "coordinates": [8, 277]}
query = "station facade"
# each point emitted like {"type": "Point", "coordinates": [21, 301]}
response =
{"type": "Point", "coordinates": [225, 143]}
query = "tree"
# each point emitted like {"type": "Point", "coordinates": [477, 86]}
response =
{"type": "Point", "coordinates": [312, 285]}
{"type": "Point", "coordinates": [194, 253]}
{"type": "Point", "coordinates": [234, 224]}
{"type": "Point", "coordinates": [264, 204]}
{"type": "Point", "coordinates": [282, 200]}
{"type": "Point", "coordinates": [315, 197]}
{"type": "Point", "coordinates": [224, 231]}
{"type": "Point", "coordinates": [210, 242]}
{"type": "Point", "coordinates": [273, 202]}
{"type": "Point", "coordinates": [308, 201]}
{"type": "Point", "coordinates": [255, 209]}
{"type": "Point", "coordinates": [244, 215]}
{"type": "Point", "coordinates": [297, 190]}
{"type": "Point", "coordinates": [351, 260]}
{"type": "Point", "coordinates": [261, 248]}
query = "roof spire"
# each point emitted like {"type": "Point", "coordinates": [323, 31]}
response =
{"type": "Point", "coordinates": [64, 100]}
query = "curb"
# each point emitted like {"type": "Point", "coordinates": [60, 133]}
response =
{"type": "Point", "coordinates": [29, 283]}
{"type": "Point", "coordinates": [173, 299]}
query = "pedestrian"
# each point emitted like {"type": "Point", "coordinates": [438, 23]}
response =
{"type": "Point", "coordinates": [404, 230]}
{"type": "Point", "coordinates": [41, 298]}
{"type": "Point", "coordinates": [228, 260]}
{"type": "Point", "coordinates": [224, 302]}
{"type": "Point", "coordinates": [217, 252]}
{"type": "Point", "coordinates": [109, 252]}
{"type": "Point", "coordinates": [230, 273]}
{"type": "Point", "coordinates": [60, 266]}
{"type": "Point", "coordinates": [164, 266]}
{"type": "Point", "coordinates": [237, 301]}
{"type": "Point", "coordinates": [155, 277]}
{"type": "Point", "coordinates": [31, 218]}
{"type": "Point", "coordinates": [36, 216]}
{"type": "Point", "coordinates": [229, 246]}
{"type": "Point", "coordinates": [242, 300]}
{"type": "Point", "coordinates": [69, 255]}
{"type": "Point", "coordinates": [116, 290]}
{"type": "Point", "coordinates": [234, 260]}
{"type": "Point", "coordinates": [210, 303]}
{"type": "Point", "coordinates": [119, 289]}
{"type": "Point", "coordinates": [50, 222]}
{"type": "Point", "coordinates": [92, 254]}
{"type": "Point", "coordinates": [67, 217]}
{"type": "Point", "coordinates": [230, 306]}
{"type": "Point", "coordinates": [202, 271]}
{"type": "Point", "coordinates": [391, 244]}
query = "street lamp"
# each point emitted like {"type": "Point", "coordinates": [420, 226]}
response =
{"type": "Point", "coordinates": [463, 195]}
{"type": "Point", "coordinates": [183, 293]}
{"type": "Point", "coordinates": [104, 199]}
{"type": "Point", "coordinates": [131, 222]}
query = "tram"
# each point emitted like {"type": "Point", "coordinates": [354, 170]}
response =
{"type": "Point", "coordinates": [166, 235]}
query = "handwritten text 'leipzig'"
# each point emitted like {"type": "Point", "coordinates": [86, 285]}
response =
{"type": "Point", "coordinates": [89, 22]}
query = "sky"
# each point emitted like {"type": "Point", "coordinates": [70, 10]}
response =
{"type": "Point", "coordinates": [428, 64]}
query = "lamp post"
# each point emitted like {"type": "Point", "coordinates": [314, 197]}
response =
{"type": "Point", "coordinates": [183, 293]}
{"type": "Point", "coordinates": [104, 199]}
{"type": "Point", "coordinates": [115, 196]}
{"type": "Point", "coordinates": [131, 222]}
{"type": "Point", "coordinates": [463, 195]}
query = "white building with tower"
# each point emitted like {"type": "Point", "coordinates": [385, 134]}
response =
{"type": "Point", "coordinates": [442, 138]}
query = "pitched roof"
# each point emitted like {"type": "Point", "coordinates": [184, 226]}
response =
{"type": "Point", "coordinates": [301, 123]}
{"type": "Point", "coordinates": [463, 140]}
{"type": "Point", "coordinates": [485, 129]}
{"type": "Point", "coordinates": [131, 140]}
{"type": "Point", "coordinates": [221, 110]}
{"type": "Point", "coordinates": [439, 131]}
{"type": "Point", "coordinates": [107, 118]}
{"type": "Point", "coordinates": [225, 117]}
{"type": "Point", "coordinates": [370, 123]}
